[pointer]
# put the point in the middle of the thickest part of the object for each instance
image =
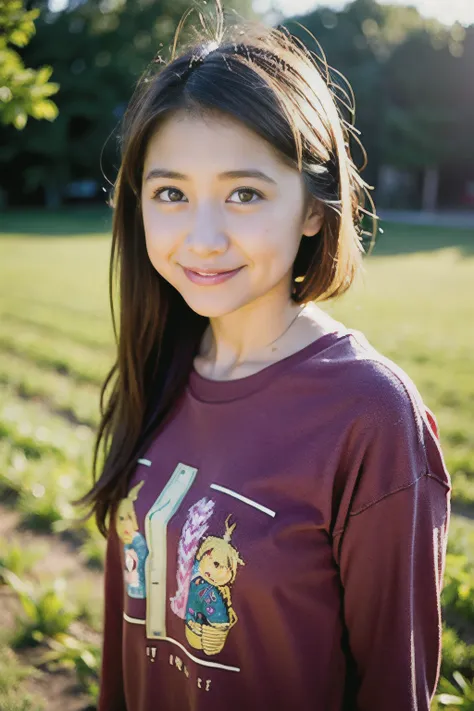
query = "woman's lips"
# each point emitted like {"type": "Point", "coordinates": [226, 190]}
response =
{"type": "Point", "coordinates": [209, 279]}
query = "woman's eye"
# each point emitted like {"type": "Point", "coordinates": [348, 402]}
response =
{"type": "Point", "coordinates": [246, 195]}
{"type": "Point", "coordinates": [173, 194]}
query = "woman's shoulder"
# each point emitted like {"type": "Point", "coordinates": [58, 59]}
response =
{"type": "Point", "coordinates": [378, 388]}
{"type": "Point", "coordinates": [390, 428]}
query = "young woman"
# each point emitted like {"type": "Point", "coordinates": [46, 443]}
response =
{"type": "Point", "coordinates": [277, 499]}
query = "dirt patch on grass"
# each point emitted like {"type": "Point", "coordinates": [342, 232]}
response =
{"type": "Point", "coordinates": [57, 690]}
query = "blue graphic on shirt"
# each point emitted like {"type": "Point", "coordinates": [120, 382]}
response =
{"type": "Point", "coordinates": [136, 553]}
{"type": "Point", "coordinates": [206, 604]}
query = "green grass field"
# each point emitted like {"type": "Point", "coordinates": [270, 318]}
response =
{"type": "Point", "coordinates": [415, 304]}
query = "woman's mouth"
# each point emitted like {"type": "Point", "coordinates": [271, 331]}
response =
{"type": "Point", "coordinates": [210, 278]}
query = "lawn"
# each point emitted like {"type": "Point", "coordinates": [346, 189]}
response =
{"type": "Point", "coordinates": [415, 304]}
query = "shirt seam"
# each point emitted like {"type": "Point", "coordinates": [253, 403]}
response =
{"type": "Point", "coordinates": [369, 505]}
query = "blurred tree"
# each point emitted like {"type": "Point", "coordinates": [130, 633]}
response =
{"type": "Point", "coordinates": [406, 72]}
{"type": "Point", "coordinates": [23, 92]}
{"type": "Point", "coordinates": [358, 41]}
{"type": "Point", "coordinates": [422, 118]}
{"type": "Point", "coordinates": [98, 51]}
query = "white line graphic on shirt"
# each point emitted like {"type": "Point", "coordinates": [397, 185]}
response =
{"type": "Point", "coordinates": [155, 524]}
{"type": "Point", "coordinates": [202, 662]}
{"type": "Point", "coordinates": [223, 489]}
{"type": "Point", "coordinates": [147, 462]}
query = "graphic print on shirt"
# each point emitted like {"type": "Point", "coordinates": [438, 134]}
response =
{"type": "Point", "coordinates": [193, 530]}
{"type": "Point", "coordinates": [206, 570]}
{"type": "Point", "coordinates": [156, 522]}
{"type": "Point", "coordinates": [135, 547]}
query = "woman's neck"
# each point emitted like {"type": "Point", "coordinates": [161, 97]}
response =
{"type": "Point", "coordinates": [222, 358]}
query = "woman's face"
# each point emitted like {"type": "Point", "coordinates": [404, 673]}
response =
{"type": "Point", "coordinates": [126, 527]}
{"type": "Point", "coordinates": [209, 212]}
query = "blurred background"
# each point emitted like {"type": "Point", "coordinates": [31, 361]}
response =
{"type": "Point", "coordinates": [410, 69]}
{"type": "Point", "coordinates": [67, 72]}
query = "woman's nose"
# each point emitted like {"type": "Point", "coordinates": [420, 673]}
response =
{"type": "Point", "coordinates": [207, 242]}
{"type": "Point", "coordinates": [207, 235]}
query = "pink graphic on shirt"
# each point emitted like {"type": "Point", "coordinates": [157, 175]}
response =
{"type": "Point", "coordinates": [193, 530]}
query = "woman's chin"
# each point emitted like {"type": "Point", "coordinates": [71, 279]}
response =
{"type": "Point", "coordinates": [213, 307]}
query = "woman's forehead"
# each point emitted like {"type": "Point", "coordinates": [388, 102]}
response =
{"type": "Point", "coordinates": [215, 139]}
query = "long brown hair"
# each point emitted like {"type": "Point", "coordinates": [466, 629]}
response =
{"type": "Point", "coordinates": [267, 79]}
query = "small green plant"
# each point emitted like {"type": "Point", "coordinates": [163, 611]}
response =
{"type": "Point", "coordinates": [458, 590]}
{"type": "Point", "coordinates": [67, 652]}
{"type": "Point", "coordinates": [12, 674]}
{"type": "Point", "coordinates": [456, 696]}
{"type": "Point", "coordinates": [41, 507]}
{"type": "Point", "coordinates": [18, 559]}
{"type": "Point", "coordinates": [47, 611]}
{"type": "Point", "coordinates": [457, 655]}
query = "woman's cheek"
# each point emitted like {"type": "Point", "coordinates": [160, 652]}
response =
{"type": "Point", "coordinates": [159, 251]}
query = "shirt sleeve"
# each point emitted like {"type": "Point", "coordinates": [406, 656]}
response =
{"type": "Point", "coordinates": [111, 689]}
{"type": "Point", "coordinates": [391, 551]}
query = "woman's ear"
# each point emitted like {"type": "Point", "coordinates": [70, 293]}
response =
{"type": "Point", "coordinates": [314, 218]}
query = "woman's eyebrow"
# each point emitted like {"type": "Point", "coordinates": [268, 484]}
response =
{"type": "Point", "coordinates": [227, 175]}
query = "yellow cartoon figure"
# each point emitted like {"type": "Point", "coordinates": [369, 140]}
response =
{"type": "Point", "coordinates": [209, 611]}
{"type": "Point", "coordinates": [135, 548]}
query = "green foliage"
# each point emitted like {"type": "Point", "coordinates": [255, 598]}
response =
{"type": "Point", "coordinates": [457, 655]}
{"type": "Point", "coordinates": [461, 538]}
{"type": "Point", "coordinates": [458, 592]}
{"type": "Point", "coordinates": [12, 675]}
{"type": "Point", "coordinates": [17, 559]}
{"type": "Point", "coordinates": [409, 77]}
{"type": "Point", "coordinates": [23, 92]}
{"type": "Point", "coordinates": [67, 652]}
{"type": "Point", "coordinates": [47, 610]}
{"type": "Point", "coordinates": [454, 696]}
{"type": "Point", "coordinates": [98, 51]}
{"type": "Point", "coordinates": [48, 618]}
{"type": "Point", "coordinates": [422, 125]}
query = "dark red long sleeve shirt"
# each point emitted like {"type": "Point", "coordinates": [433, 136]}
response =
{"type": "Point", "coordinates": [282, 545]}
